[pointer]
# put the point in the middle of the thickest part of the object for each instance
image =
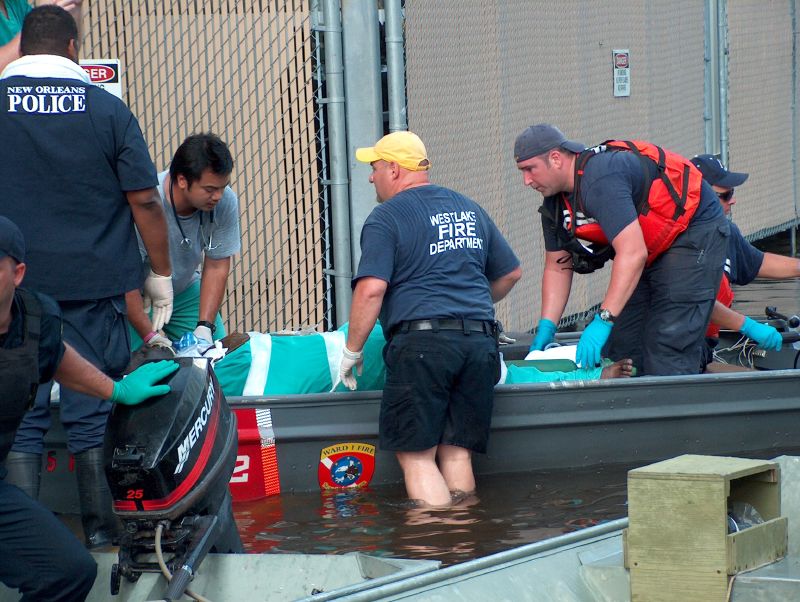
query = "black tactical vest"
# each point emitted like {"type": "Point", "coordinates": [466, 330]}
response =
{"type": "Point", "coordinates": [19, 371]}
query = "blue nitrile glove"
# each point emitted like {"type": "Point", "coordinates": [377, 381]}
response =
{"type": "Point", "coordinates": [591, 343]}
{"type": "Point", "coordinates": [765, 335]}
{"type": "Point", "coordinates": [545, 333]}
{"type": "Point", "coordinates": [140, 384]}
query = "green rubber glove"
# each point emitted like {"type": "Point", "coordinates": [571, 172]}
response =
{"type": "Point", "coordinates": [140, 384]}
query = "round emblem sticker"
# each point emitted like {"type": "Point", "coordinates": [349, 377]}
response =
{"type": "Point", "coordinates": [346, 465]}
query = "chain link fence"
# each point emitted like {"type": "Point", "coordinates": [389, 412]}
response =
{"type": "Point", "coordinates": [478, 72]}
{"type": "Point", "coordinates": [248, 71]}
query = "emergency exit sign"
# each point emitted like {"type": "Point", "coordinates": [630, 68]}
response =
{"type": "Point", "coordinates": [621, 59]}
{"type": "Point", "coordinates": [104, 73]}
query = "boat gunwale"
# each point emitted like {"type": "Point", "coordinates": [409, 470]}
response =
{"type": "Point", "coordinates": [646, 382]}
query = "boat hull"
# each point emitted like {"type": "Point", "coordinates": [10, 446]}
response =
{"type": "Point", "coordinates": [297, 443]}
{"type": "Point", "coordinates": [553, 425]}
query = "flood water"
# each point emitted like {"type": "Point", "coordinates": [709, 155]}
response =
{"type": "Point", "coordinates": [508, 510]}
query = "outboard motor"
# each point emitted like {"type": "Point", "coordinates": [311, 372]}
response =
{"type": "Point", "coordinates": [168, 462]}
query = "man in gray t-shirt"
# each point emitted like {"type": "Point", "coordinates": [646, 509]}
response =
{"type": "Point", "coordinates": [203, 221]}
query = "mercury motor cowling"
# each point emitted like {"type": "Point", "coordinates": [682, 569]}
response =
{"type": "Point", "coordinates": [168, 462]}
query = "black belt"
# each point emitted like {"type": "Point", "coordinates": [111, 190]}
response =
{"type": "Point", "coordinates": [466, 326]}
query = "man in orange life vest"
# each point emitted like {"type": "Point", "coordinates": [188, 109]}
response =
{"type": "Point", "coordinates": [650, 211]}
{"type": "Point", "coordinates": [744, 264]}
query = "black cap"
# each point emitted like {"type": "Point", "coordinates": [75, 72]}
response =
{"type": "Point", "coordinates": [715, 173]}
{"type": "Point", "coordinates": [538, 139]}
{"type": "Point", "coordinates": [12, 244]}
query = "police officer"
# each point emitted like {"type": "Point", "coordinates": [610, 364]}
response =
{"type": "Point", "coordinates": [76, 176]}
{"type": "Point", "coordinates": [38, 554]}
{"type": "Point", "coordinates": [432, 265]}
{"type": "Point", "coordinates": [203, 220]}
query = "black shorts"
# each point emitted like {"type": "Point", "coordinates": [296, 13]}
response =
{"type": "Point", "coordinates": [439, 389]}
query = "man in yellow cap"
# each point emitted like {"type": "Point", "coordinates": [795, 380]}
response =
{"type": "Point", "coordinates": [432, 265]}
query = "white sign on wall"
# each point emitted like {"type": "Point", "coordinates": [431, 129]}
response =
{"type": "Point", "coordinates": [104, 73]}
{"type": "Point", "coordinates": [621, 60]}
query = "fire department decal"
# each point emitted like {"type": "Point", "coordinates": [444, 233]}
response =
{"type": "Point", "coordinates": [346, 465]}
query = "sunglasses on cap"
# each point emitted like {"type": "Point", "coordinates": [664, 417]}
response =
{"type": "Point", "coordinates": [726, 196]}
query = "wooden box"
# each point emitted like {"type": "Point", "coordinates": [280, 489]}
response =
{"type": "Point", "coordinates": [677, 545]}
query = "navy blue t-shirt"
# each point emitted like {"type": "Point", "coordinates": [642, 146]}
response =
{"type": "Point", "coordinates": [610, 188]}
{"type": "Point", "coordinates": [438, 250]}
{"type": "Point", "coordinates": [51, 346]}
{"type": "Point", "coordinates": [69, 153]}
{"type": "Point", "coordinates": [744, 260]}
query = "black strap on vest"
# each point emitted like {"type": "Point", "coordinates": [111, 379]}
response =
{"type": "Point", "coordinates": [581, 259]}
{"type": "Point", "coordinates": [678, 199]}
{"type": "Point", "coordinates": [32, 312]}
{"type": "Point", "coordinates": [32, 331]}
{"type": "Point", "coordinates": [643, 206]}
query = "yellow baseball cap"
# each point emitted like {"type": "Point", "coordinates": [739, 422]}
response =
{"type": "Point", "coordinates": [403, 148]}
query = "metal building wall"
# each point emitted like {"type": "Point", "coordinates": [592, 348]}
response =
{"type": "Point", "coordinates": [479, 72]}
{"type": "Point", "coordinates": [761, 114]}
{"type": "Point", "coordinates": [244, 70]}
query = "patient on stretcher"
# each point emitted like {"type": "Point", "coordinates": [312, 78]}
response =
{"type": "Point", "coordinates": [258, 364]}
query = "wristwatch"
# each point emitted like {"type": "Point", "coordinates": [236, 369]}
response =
{"type": "Point", "coordinates": [606, 315]}
{"type": "Point", "coordinates": [210, 325]}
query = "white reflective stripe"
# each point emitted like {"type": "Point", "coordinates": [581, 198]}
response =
{"type": "Point", "coordinates": [580, 219]}
{"type": "Point", "coordinates": [728, 265]}
{"type": "Point", "coordinates": [260, 353]}
{"type": "Point", "coordinates": [264, 423]}
{"type": "Point", "coordinates": [334, 346]}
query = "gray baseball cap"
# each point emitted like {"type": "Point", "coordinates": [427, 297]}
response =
{"type": "Point", "coordinates": [538, 139]}
{"type": "Point", "coordinates": [12, 244]}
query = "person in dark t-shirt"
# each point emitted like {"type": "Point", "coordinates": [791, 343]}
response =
{"type": "Point", "coordinates": [432, 265]}
{"type": "Point", "coordinates": [76, 176]}
{"type": "Point", "coordinates": [667, 259]}
{"type": "Point", "coordinates": [744, 264]}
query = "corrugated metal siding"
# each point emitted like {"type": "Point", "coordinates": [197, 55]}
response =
{"type": "Point", "coordinates": [480, 72]}
{"type": "Point", "coordinates": [760, 112]}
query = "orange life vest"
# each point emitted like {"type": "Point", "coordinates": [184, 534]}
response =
{"type": "Point", "coordinates": [666, 207]}
{"type": "Point", "coordinates": [724, 296]}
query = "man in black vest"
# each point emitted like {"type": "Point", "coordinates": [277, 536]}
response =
{"type": "Point", "coordinates": [38, 554]}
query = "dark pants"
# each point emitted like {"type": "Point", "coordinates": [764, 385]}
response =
{"type": "Point", "coordinates": [439, 390]}
{"type": "Point", "coordinates": [38, 554]}
{"type": "Point", "coordinates": [98, 330]}
{"type": "Point", "coordinates": [662, 327]}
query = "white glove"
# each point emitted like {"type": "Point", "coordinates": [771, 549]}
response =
{"type": "Point", "coordinates": [158, 296]}
{"type": "Point", "coordinates": [352, 365]}
{"type": "Point", "coordinates": [203, 333]}
{"type": "Point", "coordinates": [159, 340]}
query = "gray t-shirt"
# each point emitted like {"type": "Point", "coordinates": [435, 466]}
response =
{"type": "Point", "coordinates": [214, 233]}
